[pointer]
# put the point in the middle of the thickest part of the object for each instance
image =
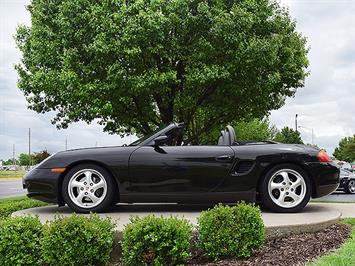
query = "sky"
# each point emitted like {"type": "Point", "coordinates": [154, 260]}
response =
{"type": "Point", "coordinates": [326, 104]}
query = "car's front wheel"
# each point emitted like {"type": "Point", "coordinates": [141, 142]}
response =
{"type": "Point", "coordinates": [88, 188]}
{"type": "Point", "coordinates": [285, 188]}
{"type": "Point", "coordinates": [350, 187]}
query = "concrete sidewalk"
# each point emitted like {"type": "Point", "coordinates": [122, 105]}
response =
{"type": "Point", "coordinates": [347, 210]}
{"type": "Point", "coordinates": [314, 217]}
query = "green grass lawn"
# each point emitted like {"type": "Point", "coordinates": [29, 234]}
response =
{"type": "Point", "coordinates": [12, 174]}
{"type": "Point", "coordinates": [344, 256]}
{"type": "Point", "coordinates": [12, 199]}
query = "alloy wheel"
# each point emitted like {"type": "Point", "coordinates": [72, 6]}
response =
{"type": "Point", "coordinates": [287, 188]}
{"type": "Point", "coordinates": [351, 186]}
{"type": "Point", "coordinates": [87, 188]}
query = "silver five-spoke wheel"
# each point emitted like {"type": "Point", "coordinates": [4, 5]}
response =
{"type": "Point", "coordinates": [351, 186]}
{"type": "Point", "coordinates": [287, 188]}
{"type": "Point", "coordinates": [87, 188]}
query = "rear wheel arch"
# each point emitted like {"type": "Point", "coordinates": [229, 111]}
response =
{"type": "Point", "coordinates": [81, 162]}
{"type": "Point", "coordinates": [269, 167]}
{"type": "Point", "coordinates": [288, 203]}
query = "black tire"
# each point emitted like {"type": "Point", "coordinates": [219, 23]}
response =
{"type": "Point", "coordinates": [349, 187]}
{"type": "Point", "coordinates": [108, 199]}
{"type": "Point", "coordinates": [268, 202]}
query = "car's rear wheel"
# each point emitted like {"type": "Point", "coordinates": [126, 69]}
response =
{"type": "Point", "coordinates": [88, 188]}
{"type": "Point", "coordinates": [285, 188]}
{"type": "Point", "coordinates": [350, 187]}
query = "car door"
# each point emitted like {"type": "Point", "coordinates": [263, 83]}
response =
{"type": "Point", "coordinates": [179, 169]}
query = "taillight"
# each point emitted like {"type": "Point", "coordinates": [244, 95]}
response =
{"type": "Point", "coordinates": [324, 157]}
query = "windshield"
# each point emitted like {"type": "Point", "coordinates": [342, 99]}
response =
{"type": "Point", "coordinates": [139, 141]}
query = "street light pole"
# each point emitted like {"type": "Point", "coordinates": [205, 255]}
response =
{"type": "Point", "coordinates": [29, 146]}
{"type": "Point", "coordinates": [312, 132]}
{"type": "Point", "coordinates": [296, 122]}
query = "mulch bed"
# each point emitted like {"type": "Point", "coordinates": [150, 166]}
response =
{"type": "Point", "coordinates": [291, 250]}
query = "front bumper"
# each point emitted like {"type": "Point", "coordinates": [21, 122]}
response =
{"type": "Point", "coordinates": [42, 184]}
{"type": "Point", "coordinates": [343, 183]}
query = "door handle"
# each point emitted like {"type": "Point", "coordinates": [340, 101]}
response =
{"type": "Point", "coordinates": [224, 158]}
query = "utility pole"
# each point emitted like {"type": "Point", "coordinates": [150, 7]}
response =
{"type": "Point", "coordinates": [29, 146]}
{"type": "Point", "coordinates": [296, 122]}
{"type": "Point", "coordinates": [13, 155]}
{"type": "Point", "coordinates": [312, 132]}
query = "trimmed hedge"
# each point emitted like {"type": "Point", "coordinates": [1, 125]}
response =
{"type": "Point", "coordinates": [20, 241]}
{"type": "Point", "coordinates": [156, 241]}
{"type": "Point", "coordinates": [7, 207]}
{"type": "Point", "coordinates": [78, 240]}
{"type": "Point", "coordinates": [226, 231]}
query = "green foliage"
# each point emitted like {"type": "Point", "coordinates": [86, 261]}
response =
{"type": "Point", "coordinates": [156, 241]}
{"type": "Point", "coordinates": [78, 240]}
{"type": "Point", "coordinates": [288, 135]}
{"type": "Point", "coordinates": [345, 255]}
{"type": "Point", "coordinates": [20, 241]}
{"type": "Point", "coordinates": [346, 149]}
{"type": "Point", "coordinates": [35, 158]}
{"type": "Point", "coordinates": [350, 221]}
{"type": "Point", "coordinates": [226, 231]}
{"type": "Point", "coordinates": [38, 157]}
{"type": "Point", "coordinates": [7, 207]}
{"type": "Point", "coordinates": [255, 129]}
{"type": "Point", "coordinates": [10, 162]}
{"type": "Point", "coordinates": [25, 159]}
{"type": "Point", "coordinates": [134, 65]}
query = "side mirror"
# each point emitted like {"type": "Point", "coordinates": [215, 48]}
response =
{"type": "Point", "coordinates": [160, 140]}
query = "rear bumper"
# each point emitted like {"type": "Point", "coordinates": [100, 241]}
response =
{"type": "Point", "coordinates": [42, 184]}
{"type": "Point", "coordinates": [325, 178]}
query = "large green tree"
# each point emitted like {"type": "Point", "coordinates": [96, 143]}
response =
{"type": "Point", "coordinates": [288, 135]}
{"type": "Point", "coordinates": [346, 149]}
{"type": "Point", "coordinates": [25, 159]}
{"type": "Point", "coordinates": [38, 157]}
{"type": "Point", "coordinates": [255, 129]}
{"type": "Point", "coordinates": [133, 65]}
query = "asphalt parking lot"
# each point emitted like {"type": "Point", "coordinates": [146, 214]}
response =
{"type": "Point", "coordinates": [338, 197]}
{"type": "Point", "coordinates": [11, 188]}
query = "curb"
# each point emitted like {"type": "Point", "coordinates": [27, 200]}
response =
{"type": "Point", "coordinates": [273, 232]}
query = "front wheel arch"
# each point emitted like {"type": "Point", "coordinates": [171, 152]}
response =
{"type": "Point", "coordinates": [61, 201]}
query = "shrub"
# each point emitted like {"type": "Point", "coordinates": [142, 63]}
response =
{"type": "Point", "coordinates": [20, 241]}
{"type": "Point", "coordinates": [231, 231]}
{"type": "Point", "coordinates": [7, 207]}
{"type": "Point", "coordinates": [156, 241]}
{"type": "Point", "coordinates": [78, 240]}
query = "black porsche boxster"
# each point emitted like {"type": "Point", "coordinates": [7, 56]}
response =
{"type": "Point", "coordinates": [154, 169]}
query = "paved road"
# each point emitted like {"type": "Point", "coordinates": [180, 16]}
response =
{"type": "Point", "coordinates": [338, 197]}
{"type": "Point", "coordinates": [11, 188]}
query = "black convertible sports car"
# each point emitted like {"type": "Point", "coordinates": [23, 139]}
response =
{"type": "Point", "coordinates": [154, 169]}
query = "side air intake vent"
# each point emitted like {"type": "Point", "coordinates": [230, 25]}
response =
{"type": "Point", "coordinates": [243, 167]}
